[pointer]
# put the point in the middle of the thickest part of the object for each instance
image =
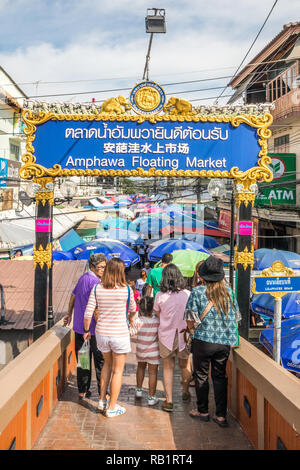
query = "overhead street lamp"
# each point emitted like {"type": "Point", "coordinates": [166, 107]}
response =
{"type": "Point", "coordinates": [155, 23]}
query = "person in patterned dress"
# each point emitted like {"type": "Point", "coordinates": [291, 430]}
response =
{"type": "Point", "coordinates": [212, 307]}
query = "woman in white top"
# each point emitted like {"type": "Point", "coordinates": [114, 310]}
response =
{"type": "Point", "coordinates": [141, 281]}
{"type": "Point", "coordinates": [112, 299]}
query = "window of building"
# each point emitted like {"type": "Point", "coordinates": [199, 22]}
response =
{"type": "Point", "coordinates": [14, 152]}
{"type": "Point", "coordinates": [281, 144]}
{"type": "Point", "coordinates": [282, 84]}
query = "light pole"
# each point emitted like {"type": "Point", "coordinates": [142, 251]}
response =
{"type": "Point", "coordinates": [155, 23]}
{"type": "Point", "coordinates": [41, 191]}
{"type": "Point", "coordinates": [68, 189]}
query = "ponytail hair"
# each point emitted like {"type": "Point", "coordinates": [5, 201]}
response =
{"type": "Point", "coordinates": [146, 306]}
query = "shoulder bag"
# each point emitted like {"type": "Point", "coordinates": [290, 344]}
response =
{"type": "Point", "coordinates": [188, 333]}
{"type": "Point", "coordinates": [96, 312]}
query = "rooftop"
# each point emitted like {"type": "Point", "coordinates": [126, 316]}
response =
{"type": "Point", "coordinates": [17, 279]}
{"type": "Point", "coordinates": [271, 52]}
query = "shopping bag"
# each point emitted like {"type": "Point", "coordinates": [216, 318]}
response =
{"type": "Point", "coordinates": [84, 356]}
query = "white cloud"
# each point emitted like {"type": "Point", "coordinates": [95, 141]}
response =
{"type": "Point", "coordinates": [106, 39]}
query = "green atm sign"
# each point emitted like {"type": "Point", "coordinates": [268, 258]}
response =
{"type": "Point", "coordinates": [283, 166]}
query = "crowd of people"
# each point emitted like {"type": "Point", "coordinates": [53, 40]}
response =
{"type": "Point", "coordinates": [166, 320]}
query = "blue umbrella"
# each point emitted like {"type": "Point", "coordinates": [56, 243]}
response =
{"type": "Point", "coordinates": [264, 304]}
{"type": "Point", "coordinates": [111, 249]}
{"type": "Point", "coordinates": [172, 245]}
{"type": "Point", "coordinates": [149, 224]}
{"type": "Point", "coordinates": [290, 343]}
{"type": "Point", "coordinates": [119, 234]}
{"type": "Point", "coordinates": [265, 257]}
{"type": "Point", "coordinates": [204, 240]}
{"type": "Point", "coordinates": [62, 255]}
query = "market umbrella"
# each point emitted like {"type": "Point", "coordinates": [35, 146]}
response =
{"type": "Point", "coordinates": [205, 240]}
{"type": "Point", "coordinates": [155, 209]}
{"type": "Point", "coordinates": [172, 245]}
{"type": "Point", "coordinates": [149, 225]}
{"type": "Point", "coordinates": [127, 213]}
{"type": "Point", "coordinates": [265, 257]}
{"type": "Point", "coordinates": [186, 260]}
{"type": "Point", "coordinates": [110, 248]}
{"type": "Point", "coordinates": [221, 249]}
{"type": "Point", "coordinates": [290, 343]}
{"type": "Point", "coordinates": [264, 304]}
{"type": "Point", "coordinates": [119, 234]}
{"type": "Point", "coordinates": [62, 255]}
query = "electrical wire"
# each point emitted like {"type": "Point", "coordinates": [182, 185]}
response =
{"type": "Point", "coordinates": [40, 82]}
{"type": "Point", "coordinates": [250, 48]}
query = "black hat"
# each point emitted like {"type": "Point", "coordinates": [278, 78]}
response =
{"type": "Point", "coordinates": [212, 269]}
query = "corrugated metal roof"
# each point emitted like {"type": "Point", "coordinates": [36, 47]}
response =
{"type": "Point", "coordinates": [17, 279]}
{"type": "Point", "coordinates": [288, 30]}
{"type": "Point", "coordinates": [20, 229]}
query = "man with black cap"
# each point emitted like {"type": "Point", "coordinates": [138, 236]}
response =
{"type": "Point", "coordinates": [210, 315]}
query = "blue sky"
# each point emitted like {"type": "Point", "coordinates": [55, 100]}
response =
{"type": "Point", "coordinates": [91, 46]}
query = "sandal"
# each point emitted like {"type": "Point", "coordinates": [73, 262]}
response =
{"type": "Point", "coordinates": [196, 414]}
{"type": "Point", "coordinates": [222, 424]}
{"type": "Point", "coordinates": [186, 396]}
{"type": "Point", "coordinates": [167, 406]}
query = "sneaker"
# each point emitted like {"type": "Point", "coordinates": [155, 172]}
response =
{"type": "Point", "coordinates": [103, 404]}
{"type": "Point", "coordinates": [117, 411]}
{"type": "Point", "coordinates": [152, 401]}
{"type": "Point", "coordinates": [139, 393]}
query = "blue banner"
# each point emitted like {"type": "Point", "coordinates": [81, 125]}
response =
{"type": "Point", "coordinates": [277, 284]}
{"type": "Point", "coordinates": [128, 145]}
{"type": "Point", "coordinates": [3, 172]}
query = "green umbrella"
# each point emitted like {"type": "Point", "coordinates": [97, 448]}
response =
{"type": "Point", "coordinates": [186, 260]}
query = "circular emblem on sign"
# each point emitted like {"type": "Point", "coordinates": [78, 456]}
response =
{"type": "Point", "coordinates": [278, 167]}
{"type": "Point", "coordinates": [147, 98]}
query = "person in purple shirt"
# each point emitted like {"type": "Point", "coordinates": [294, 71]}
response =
{"type": "Point", "coordinates": [78, 302]}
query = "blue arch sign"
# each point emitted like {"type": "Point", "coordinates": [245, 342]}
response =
{"type": "Point", "coordinates": [130, 145]}
{"type": "Point", "coordinates": [177, 143]}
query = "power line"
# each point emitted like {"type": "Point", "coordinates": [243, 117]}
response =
{"type": "Point", "coordinates": [250, 48]}
{"type": "Point", "coordinates": [166, 84]}
{"type": "Point", "coordinates": [40, 82]}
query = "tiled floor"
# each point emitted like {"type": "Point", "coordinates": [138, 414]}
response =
{"type": "Point", "coordinates": [76, 425]}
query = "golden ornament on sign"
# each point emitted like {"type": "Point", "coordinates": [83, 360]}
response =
{"type": "Point", "coordinates": [44, 190]}
{"type": "Point", "coordinates": [177, 106]}
{"type": "Point", "coordinates": [176, 110]}
{"type": "Point", "coordinates": [246, 197]}
{"type": "Point", "coordinates": [115, 105]}
{"type": "Point", "coordinates": [278, 268]}
{"type": "Point", "coordinates": [245, 258]}
{"type": "Point", "coordinates": [147, 99]}
{"type": "Point", "coordinates": [42, 256]}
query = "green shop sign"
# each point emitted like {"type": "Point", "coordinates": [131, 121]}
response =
{"type": "Point", "coordinates": [283, 166]}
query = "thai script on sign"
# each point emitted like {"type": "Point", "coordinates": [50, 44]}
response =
{"type": "Point", "coordinates": [280, 282]}
{"type": "Point", "coordinates": [158, 133]}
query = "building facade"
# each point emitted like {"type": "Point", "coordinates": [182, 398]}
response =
{"type": "Point", "coordinates": [273, 76]}
{"type": "Point", "coordinates": [12, 140]}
